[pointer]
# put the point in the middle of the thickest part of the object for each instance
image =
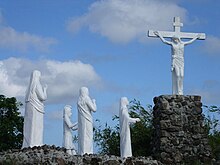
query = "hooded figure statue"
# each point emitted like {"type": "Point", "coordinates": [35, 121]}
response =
{"type": "Point", "coordinates": [68, 126]}
{"type": "Point", "coordinates": [85, 106]}
{"type": "Point", "coordinates": [34, 112]}
{"type": "Point", "coordinates": [125, 120]}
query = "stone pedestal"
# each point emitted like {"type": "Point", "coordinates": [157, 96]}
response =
{"type": "Point", "coordinates": [180, 136]}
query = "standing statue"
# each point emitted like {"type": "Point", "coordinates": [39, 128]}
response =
{"type": "Point", "coordinates": [67, 128]}
{"type": "Point", "coordinates": [125, 120]}
{"type": "Point", "coordinates": [177, 66]}
{"type": "Point", "coordinates": [85, 106]}
{"type": "Point", "coordinates": [34, 112]}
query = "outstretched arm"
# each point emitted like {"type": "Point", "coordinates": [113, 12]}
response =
{"type": "Point", "coordinates": [134, 120]}
{"type": "Point", "coordinates": [192, 40]}
{"type": "Point", "coordinates": [162, 39]}
{"type": "Point", "coordinates": [130, 119]}
{"type": "Point", "coordinates": [68, 122]}
{"type": "Point", "coordinates": [75, 126]}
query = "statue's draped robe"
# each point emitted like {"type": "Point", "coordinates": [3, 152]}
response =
{"type": "Point", "coordinates": [125, 138]}
{"type": "Point", "coordinates": [34, 113]}
{"type": "Point", "coordinates": [68, 138]}
{"type": "Point", "coordinates": [85, 124]}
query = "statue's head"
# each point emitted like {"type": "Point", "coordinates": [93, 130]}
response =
{"type": "Point", "coordinates": [67, 110]}
{"type": "Point", "coordinates": [35, 78]}
{"type": "Point", "coordinates": [124, 101]}
{"type": "Point", "coordinates": [36, 73]}
{"type": "Point", "coordinates": [84, 91]}
{"type": "Point", "coordinates": [175, 39]}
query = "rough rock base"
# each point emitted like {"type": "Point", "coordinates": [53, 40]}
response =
{"type": "Point", "coordinates": [51, 155]}
{"type": "Point", "coordinates": [180, 136]}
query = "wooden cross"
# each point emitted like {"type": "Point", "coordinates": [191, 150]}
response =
{"type": "Point", "coordinates": [177, 25]}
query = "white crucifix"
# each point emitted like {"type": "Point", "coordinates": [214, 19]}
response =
{"type": "Point", "coordinates": [177, 49]}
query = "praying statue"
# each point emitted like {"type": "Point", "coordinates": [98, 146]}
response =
{"type": "Point", "coordinates": [177, 64]}
{"type": "Point", "coordinates": [68, 126]}
{"type": "Point", "coordinates": [85, 106]}
{"type": "Point", "coordinates": [34, 111]}
{"type": "Point", "coordinates": [125, 120]}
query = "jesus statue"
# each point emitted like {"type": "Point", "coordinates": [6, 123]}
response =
{"type": "Point", "coordinates": [177, 64]}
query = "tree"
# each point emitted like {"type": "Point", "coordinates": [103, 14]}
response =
{"type": "Point", "coordinates": [212, 127]}
{"type": "Point", "coordinates": [11, 123]}
{"type": "Point", "coordinates": [141, 132]}
{"type": "Point", "coordinates": [108, 138]}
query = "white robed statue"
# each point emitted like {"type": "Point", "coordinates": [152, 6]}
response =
{"type": "Point", "coordinates": [85, 106]}
{"type": "Point", "coordinates": [34, 112]}
{"type": "Point", "coordinates": [68, 126]}
{"type": "Point", "coordinates": [125, 120]}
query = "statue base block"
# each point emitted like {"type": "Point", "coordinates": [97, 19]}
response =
{"type": "Point", "coordinates": [180, 135]}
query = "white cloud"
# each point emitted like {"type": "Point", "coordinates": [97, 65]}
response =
{"type": "Point", "coordinates": [63, 78]}
{"type": "Point", "coordinates": [23, 41]}
{"type": "Point", "coordinates": [212, 45]}
{"type": "Point", "coordinates": [124, 20]}
{"type": "Point", "coordinates": [7, 86]}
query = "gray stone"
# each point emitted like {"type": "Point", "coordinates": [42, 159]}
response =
{"type": "Point", "coordinates": [165, 124]}
{"type": "Point", "coordinates": [164, 133]}
{"type": "Point", "coordinates": [52, 155]}
{"type": "Point", "coordinates": [111, 162]}
{"type": "Point", "coordinates": [180, 137]}
{"type": "Point", "coordinates": [178, 157]}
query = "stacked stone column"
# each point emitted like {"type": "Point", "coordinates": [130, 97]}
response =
{"type": "Point", "coordinates": [180, 136]}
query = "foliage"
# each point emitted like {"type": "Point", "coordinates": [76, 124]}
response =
{"type": "Point", "coordinates": [212, 125]}
{"type": "Point", "coordinates": [141, 132]}
{"type": "Point", "coordinates": [108, 138]}
{"type": "Point", "coordinates": [11, 123]}
{"type": "Point", "coordinates": [214, 141]}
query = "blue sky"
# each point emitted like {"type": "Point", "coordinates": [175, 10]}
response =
{"type": "Point", "coordinates": [103, 45]}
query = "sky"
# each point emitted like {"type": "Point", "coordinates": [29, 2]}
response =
{"type": "Point", "coordinates": [103, 44]}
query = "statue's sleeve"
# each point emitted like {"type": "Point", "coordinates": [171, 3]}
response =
{"type": "Point", "coordinates": [68, 122]}
{"type": "Point", "coordinates": [129, 119]}
{"type": "Point", "coordinates": [133, 120]}
{"type": "Point", "coordinates": [75, 126]}
{"type": "Point", "coordinates": [91, 104]}
{"type": "Point", "coordinates": [41, 94]}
